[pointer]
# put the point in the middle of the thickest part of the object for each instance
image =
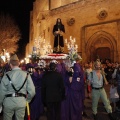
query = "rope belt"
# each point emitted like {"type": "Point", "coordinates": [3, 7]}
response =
{"type": "Point", "coordinates": [16, 95]}
{"type": "Point", "coordinates": [97, 88]}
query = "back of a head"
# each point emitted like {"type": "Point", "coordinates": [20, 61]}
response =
{"type": "Point", "coordinates": [14, 60]}
{"type": "Point", "coordinates": [52, 66]}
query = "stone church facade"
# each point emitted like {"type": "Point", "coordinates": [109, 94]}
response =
{"type": "Point", "coordinates": [94, 23]}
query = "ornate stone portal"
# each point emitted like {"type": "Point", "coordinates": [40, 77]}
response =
{"type": "Point", "coordinates": [101, 44]}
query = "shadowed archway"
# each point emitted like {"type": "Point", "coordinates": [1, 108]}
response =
{"type": "Point", "coordinates": [101, 44]}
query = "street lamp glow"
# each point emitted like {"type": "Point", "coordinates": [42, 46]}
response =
{"type": "Point", "coordinates": [3, 57]}
{"type": "Point", "coordinates": [7, 55]}
{"type": "Point", "coordinates": [22, 61]}
{"type": "Point", "coordinates": [29, 56]}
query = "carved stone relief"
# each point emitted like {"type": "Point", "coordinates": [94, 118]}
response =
{"type": "Point", "coordinates": [102, 14]}
{"type": "Point", "coordinates": [71, 21]}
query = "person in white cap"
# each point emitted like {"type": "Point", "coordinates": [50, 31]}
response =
{"type": "Point", "coordinates": [15, 89]}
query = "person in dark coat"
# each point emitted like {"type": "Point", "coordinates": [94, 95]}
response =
{"type": "Point", "coordinates": [53, 92]}
{"type": "Point", "coordinates": [58, 31]}
{"type": "Point", "coordinates": [76, 94]}
{"type": "Point", "coordinates": [109, 71]}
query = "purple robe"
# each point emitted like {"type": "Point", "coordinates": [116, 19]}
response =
{"type": "Point", "coordinates": [61, 69]}
{"type": "Point", "coordinates": [35, 65]}
{"type": "Point", "coordinates": [76, 95]}
{"type": "Point", "coordinates": [7, 67]}
{"type": "Point", "coordinates": [58, 68]}
{"type": "Point", "coordinates": [36, 105]}
{"type": "Point", "coordinates": [64, 102]}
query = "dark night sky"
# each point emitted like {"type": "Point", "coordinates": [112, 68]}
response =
{"type": "Point", "coordinates": [20, 11]}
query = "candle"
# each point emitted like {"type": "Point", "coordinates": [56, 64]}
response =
{"type": "Point", "coordinates": [50, 46]}
{"type": "Point", "coordinates": [44, 41]}
{"type": "Point", "coordinates": [65, 40]}
{"type": "Point", "coordinates": [74, 40]}
{"type": "Point", "coordinates": [68, 46]}
{"type": "Point", "coordinates": [51, 50]}
{"type": "Point", "coordinates": [76, 46]}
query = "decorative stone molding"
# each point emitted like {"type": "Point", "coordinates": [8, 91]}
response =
{"type": "Point", "coordinates": [42, 15]}
{"type": "Point", "coordinates": [102, 14]}
{"type": "Point", "coordinates": [73, 6]}
{"type": "Point", "coordinates": [68, 7]}
{"type": "Point", "coordinates": [71, 21]}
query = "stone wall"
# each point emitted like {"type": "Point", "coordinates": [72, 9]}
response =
{"type": "Point", "coordinates": [86, 20]}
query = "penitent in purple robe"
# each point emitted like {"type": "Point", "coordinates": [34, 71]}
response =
{"type": "Point", "coordinates": [36, 105]}
{"type": "Point", "coordinates": [62, 70]}
{"type": "Point", "coordinates": [64, 102]}
{"type": "Point", "coordinates": [76, 95]}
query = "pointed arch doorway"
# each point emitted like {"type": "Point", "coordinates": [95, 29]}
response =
{"type": "Point", "coordinates": [102, 45]}
{"type": "Point", "coordinates": [102, 53]}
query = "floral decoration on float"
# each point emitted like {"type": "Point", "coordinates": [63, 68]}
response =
{"type": "Point", "coordinates": [72, 50]}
